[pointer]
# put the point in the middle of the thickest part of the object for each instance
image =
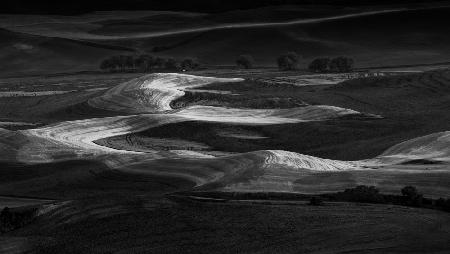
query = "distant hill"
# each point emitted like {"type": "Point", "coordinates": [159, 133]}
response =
{"type": "Point", "coordinates": [407, 37]}
{"type": "Point", "coordinates": [382, 39]}
{"type": "Point", "coordinates": [30, 54]}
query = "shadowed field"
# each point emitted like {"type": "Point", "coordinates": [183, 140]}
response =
{"type": "Point", "coordinates": [373, 37]}
{"type": "Point", "coordinates": [157, 226]}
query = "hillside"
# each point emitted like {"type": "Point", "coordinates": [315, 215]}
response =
{"type": "Point", "coordinates": [416, 36]}
{"type": "Point", "coordinates": [24, 54]}
{"type": "Point", "coordinates": [373, 40]}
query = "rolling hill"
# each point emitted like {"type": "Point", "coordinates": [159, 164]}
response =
{"type": "Point", "coordinates": [25, 54]}
{"type": "Point", "coordinates": [373, 38]}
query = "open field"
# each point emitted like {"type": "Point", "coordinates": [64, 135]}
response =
{"type": "Point", "coordinates": [225, 126]}
{"type": "Point", "coordinates": [157, 226]}
{"type": "Point", "coordinates": [97, 157]}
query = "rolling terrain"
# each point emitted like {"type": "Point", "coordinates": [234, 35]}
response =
{"type": "Point", "coordinates": [156, 156]}
{"type": "Point", "coordinates": [372, 36]}
{"type": "Point", "coordinates": [96, 155]}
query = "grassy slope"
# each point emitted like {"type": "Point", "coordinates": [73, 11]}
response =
{"type": "Point", "coordinates": [137, 226]}
{"type": "Point", "coordinates": [395, 38]}
{"type": "Point", "coordinates": [412, 106]}
{"type": "Point", "coordinates": [30, 54]}
{"type": "Point", "coordinates": [80, 180]}
{"type": "Point", "coordinates": [112, 211]}
{"type": "Point", "coordinates": [384, 39]}
{"type": "Point", "coordinates": [55, 108]}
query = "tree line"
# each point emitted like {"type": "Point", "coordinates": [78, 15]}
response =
{"type": "Point", "coordinates": [290, 61]}
{"type": "Point", "coordinates": [408, 196]}
{"type": "Point", "coordinates": [146, 63]}
{"type": "Point", "coordinates": [285, 62]}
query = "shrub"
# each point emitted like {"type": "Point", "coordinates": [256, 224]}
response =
{"type": "Point", "coordinates": [118, 63]}
{"type": "Point", "coordinates": [320, 65]}
{"type": "Point", "coordinates": [107, 65]}
{"type": "Point", "coordinates": [411, 196]}
{"type": "Point", "coordinates": [341, 64]}
{"type": "Point", "coordinates": [160, 63]}
{"type": "Point", "coordinates": [129, 62]}
{"type": "Point", "coordinates": [245, 62]}
{"type": "Point", "coordinates": [189, 64]}
{"type": "Point", "coordinates": [288, 61]}
{"type": "Point", "coordinates": [409, 192]}
{"type": "Point", "coordinates": [362, 193]}
{"type": "Point", "coordinates": [171, 64]}
{"type": "Point", "coordinates": [144, 63]}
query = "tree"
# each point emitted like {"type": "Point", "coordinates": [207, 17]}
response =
{"type": "Point", "coordinates": [412, 196]}
{"type": "Point", "coordinates": [245, 62]}
{"type": "Point", "coordinates": [363, 193]}
{"type": "Point", "coordinates": [320, 65]}
{"type": "Point", "coordinates": [129, 62]}
{"type": "Point", "coordinates": [160, 63]}
{"type": "Point", "coordinates": [409, 192]}
{"type": "Point", "coordinates": [288, 61]}
{"type": "Point", "coordinates": [123, 62]}
{"type": "Point", "coordinates": [144, 63]}
{"type": "Point", "coordinates": [171, 64]}
{"type": "Point", "coordinates": [189, 64]}
{"type": "Point", "coordinates": [116, 63]}
{"type": "Point", "coordinates": [341, 64]}
{"type": "Point", "coordinates": [107, 65]}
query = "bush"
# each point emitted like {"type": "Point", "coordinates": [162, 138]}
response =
{"type": "Point", "coordinates": [189, 64]}
{"type": "Point", "coordinates": [362, 193]}
{"type": "Point", "coordinates": [144, 63]}
{"type": "Point", "coordinates": [320, 65]}
{"type": "Point", "coordinates": [411, 196]}
{"type": "Point", "coordinates": [341, 64]}
{"type": "Point", "coordinates": [245, 62]}
{"type": "Point", "coordinates": [124, 63]}
{"type": "Point", "coordinates": [288, 61]}
{"type": "Point", "coordinates": [171, 64]}
{"type": "Point", "coordinates": [409, 192]}
{"type": "Point", "coordinates": [160, 63]}
{"type": "Point", "coordinates": [106, 65]}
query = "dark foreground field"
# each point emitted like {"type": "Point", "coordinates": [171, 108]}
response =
{"type": "Point", "coordinates": [159, 226]}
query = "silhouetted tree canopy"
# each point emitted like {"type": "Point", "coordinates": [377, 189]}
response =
{"type": "Point", "coordinates": [363, 193]}
{"type": "Point", "coordinates": [171, 64]}
{"type": "Point", "coordinates": [320, 65]}
{"type": "Point", "coordinates": [160, 62]}
{"type": "Point", "coordinates": [288, 61]}
{"type": "Point", "coordinates": [341, 64]}
{"type": "Point", "coordinates": [189, 64]}
{"type": "Point", "coordinates": [143, 63]}
{"type": "Point", "coordinates": [245, 62]}
{"type": "Point", "coordinates": [409, 192]}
